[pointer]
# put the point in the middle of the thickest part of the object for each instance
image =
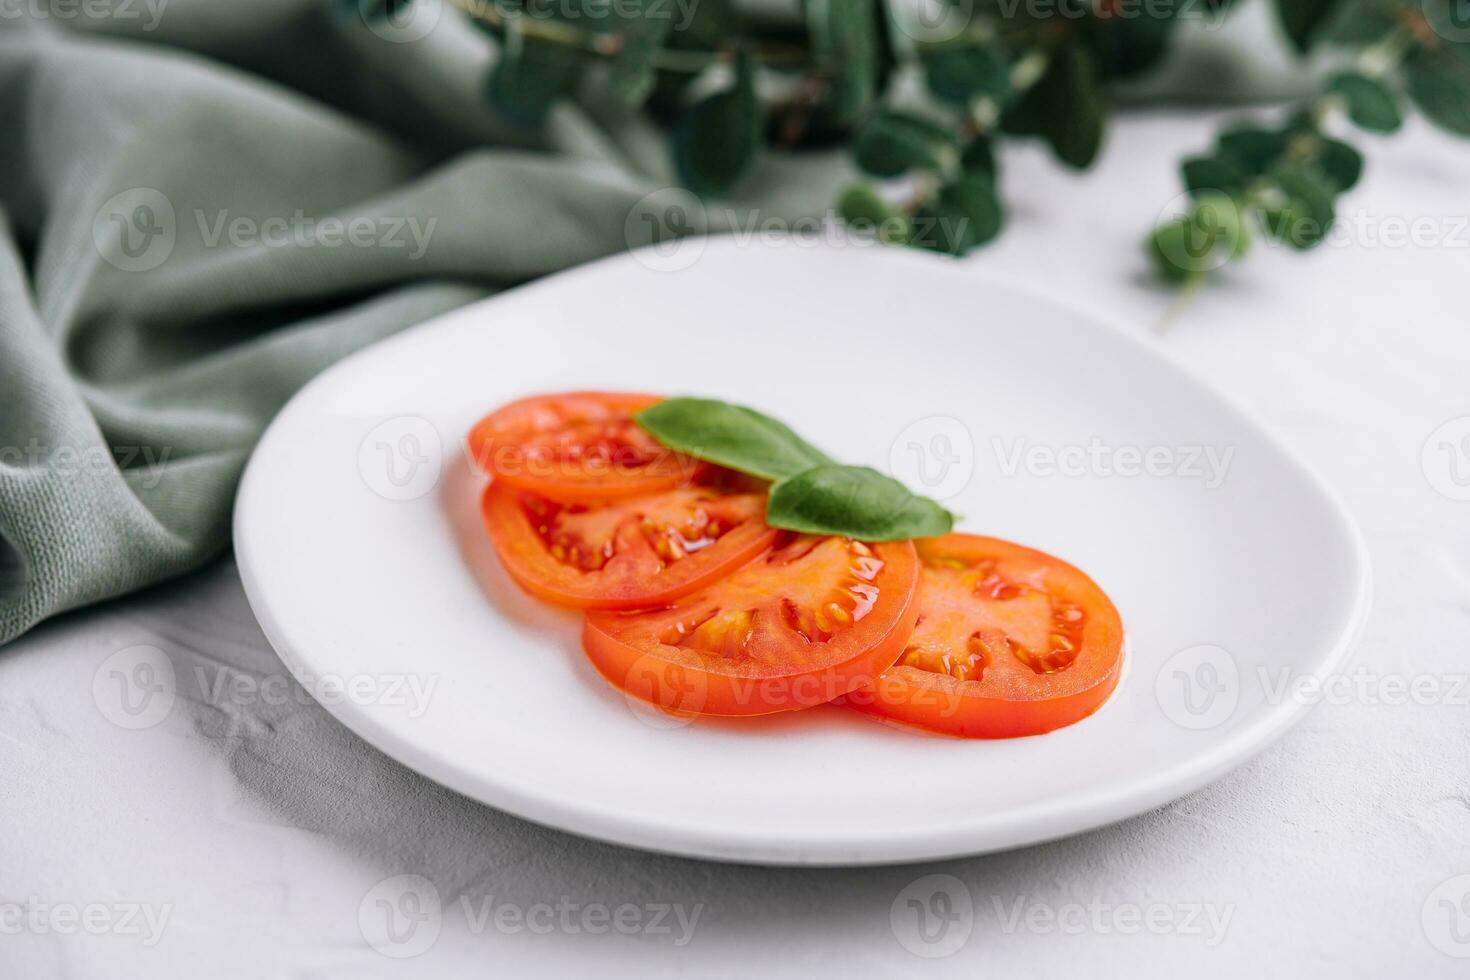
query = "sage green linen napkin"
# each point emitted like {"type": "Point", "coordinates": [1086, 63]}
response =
{"type": "Point", "coordinates": [203, 203]}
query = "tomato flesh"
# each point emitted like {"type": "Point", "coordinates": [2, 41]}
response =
{"type": "Point", "coordinates": [808, 620]}
{"type": "Point", "coordinates": [577, 446]}
{"type": "Point", "coordinates": [1009, 641]}
{"type": "Point", "coordinates": [628, 553]}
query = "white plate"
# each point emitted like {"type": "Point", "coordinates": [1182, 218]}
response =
{"type": "Point", "coordinates": [359, 542]}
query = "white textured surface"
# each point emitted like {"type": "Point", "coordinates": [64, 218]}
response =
{"type": "Point", "coordinates": [264, 826]}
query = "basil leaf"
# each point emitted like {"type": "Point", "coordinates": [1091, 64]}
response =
{"type": "Point", "coordinates": [731, 435]}
{"type": "Point", "coordinates": [855, 502]}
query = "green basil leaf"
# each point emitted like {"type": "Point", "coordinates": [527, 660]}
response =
{"type": "Point", "coordinates": [731, 435]}
{"type": "Point", "coordinates": [1371, 104]}
{"type": "Point", "coordinates": [855, 502]}
{"type": "Point", "coordinates": [1439, 84]}
{"type": "Point", "coordinates": [716, 141]}
{"type": "Point", "coordinates": [959, 75]}
{"type": "Point", "coordinates": [895, 142]}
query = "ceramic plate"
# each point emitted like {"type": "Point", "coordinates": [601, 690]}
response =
{"type": "Point", "coordinates": [358, 538]}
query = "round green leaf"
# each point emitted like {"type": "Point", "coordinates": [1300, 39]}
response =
{"type": "Point", "coordinates": [959, 75]}
{"type": "Point", "coordinates": [866, 212]}
{"type": "Point", "coordinates": [1439, 84]}
{"type": "Point", "coordinates": [963, 215]}
{"type": "Point", "coordinates": [893, 143]}
{"type": "Point", "coordinates": [1371, 104]}
{"type": "Point", "coordinates": [717, 140]}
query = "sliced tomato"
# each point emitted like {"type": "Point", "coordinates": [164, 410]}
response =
{"type": "Point", "coordinates": [628, 553]}
{"type": "Point", "coordinates": [581, 445]}
{"type": "Point", "coordinates": [1010, 641]}
{"type": "Point", "coordinates": [806, 621]}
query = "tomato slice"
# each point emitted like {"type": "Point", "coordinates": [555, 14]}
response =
{"type": "Point", "coordinates": [628, 553]}
{"type": "Point", "coordinates": [581, 445]}
{"type": "Point", "coordinates": [1010, 641]}
{"type": "Point", "coordinates": [807, 621]}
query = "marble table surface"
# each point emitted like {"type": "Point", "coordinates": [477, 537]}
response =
{"type": "Point", "coordinates": [250, 835]}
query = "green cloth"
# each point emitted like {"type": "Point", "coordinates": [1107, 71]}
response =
{"type": "Point", "coordinates": [147, 338]}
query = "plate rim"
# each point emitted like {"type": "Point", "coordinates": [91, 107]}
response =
{"type": "Point", "coordinates": [611, 825]}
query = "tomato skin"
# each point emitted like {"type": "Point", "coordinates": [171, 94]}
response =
{"type": "Point", "coordinates": [1011, 698]}
{"type": "Point", "coordinates": [578, 445]}
{"type": "Point", "coordinates": [635, 580]}
{"type": "Point", "coordinates": [793, 673]}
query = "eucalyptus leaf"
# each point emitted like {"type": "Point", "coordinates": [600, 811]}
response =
{"type": "Point", "coordinates": [865, 211]}
{"type": "Point", "coordinates": [731, 435]}
{"type": "Point", "coordinates": [980, 156]}
{"type": "Point", "coordinates": [1211, 234]}
{"type": "Point", "coordinates": [845, 45]}
{"type": "Point", "coordinates": [893, 143]}
{"type": "Point", "coordinates": [1067, 107]}
{"type": "Point", "coordinates": [1253, 149]}
{"type": "Point", "coordinates": [960, 75]}
{"type": "Point", "coordinates": [530, 76]}
{"type": "Point", "coordinates": [855, 502]}
{"type": "Point", "coordinates": [1131, 44]}
{"type": "Point", "coordinates": [643, 26]}
{"type": "Point", "coordinates": [1302, 19]}
{"type": "Point", "coordinates": [1371, 104]}
{"type": "Point", "coordinates": [1439, 83]}
{"type": "Point", "coordinates": [964, 214]}
{"type": "Point", "coordinates": [1342, 164]}
{"type": "Point", "coordinates": [1308, 214]}
{"type": "Point", "coordinates": [1213, 173]}
{"type": "Point", "coordinates": [717, 140]}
